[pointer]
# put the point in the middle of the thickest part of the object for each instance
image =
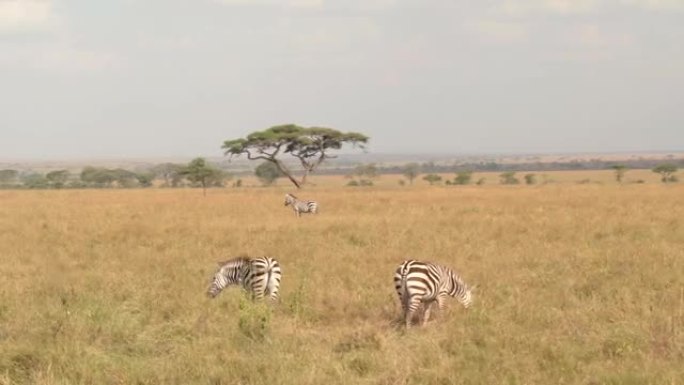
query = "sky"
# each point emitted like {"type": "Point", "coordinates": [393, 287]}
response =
{"type": "Point", "coordinates": [160, 78]}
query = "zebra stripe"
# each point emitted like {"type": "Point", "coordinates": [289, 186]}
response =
{"type": "Point", "coordinates": [424, 283]}
{"type": "Point", "coordinates": [258, 276]}
{"type": "Point", "coordinates": [300, 207]}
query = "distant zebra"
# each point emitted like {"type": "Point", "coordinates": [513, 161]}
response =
{"type": "Point", "coordinates": [258, 276]}
{"type": "Point", "coordinates": [300, 207]}
{"type": "Point", "coordinates": [424, 283]}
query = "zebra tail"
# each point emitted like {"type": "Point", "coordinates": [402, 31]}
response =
{"type": "Point", "coordinates": [404, 286]}
{"type": "Point", "coordinates": [271, 283]}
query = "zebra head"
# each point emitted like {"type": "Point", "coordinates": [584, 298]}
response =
{"type": "Point", "coordinates": [460, 290]}
{"type": "Point", "coordinates": [230, 272]}
{"type": "Point", "coordinates": [289, 199]}
{"type": "Point", "coordinates": [218, 283]}
{"type": "Point", "coordinates": [467, 298]}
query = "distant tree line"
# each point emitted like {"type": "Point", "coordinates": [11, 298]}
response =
{"type": "Point", "coordinates": [464, 177]}
{"type": "Point", "coordinates": [197, 173]}
{"type": "Point", "coordinates": [201, 174]}
{"type": "Point", "coordinates": [576, 165]}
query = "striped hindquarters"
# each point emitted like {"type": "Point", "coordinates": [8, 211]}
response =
{"type": "Point", "coordinates": [264, 278]}
{"type": "Point", "coordinates": [417, 279]}
{"type": "Point", "coordinates": [312, 207]}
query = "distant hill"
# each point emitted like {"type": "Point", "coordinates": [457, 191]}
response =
{"type": "Point", "coordinates": [383, 161]}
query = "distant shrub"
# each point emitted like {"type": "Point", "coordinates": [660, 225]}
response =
{"type": "Point", "coordinates": [432, 178]}
{"type": "Point", "coordinates": [530, 179]}
{"type": "Point", "coordinates": [508, 177]}
{"type": "Point", "coordinates": [402, 182]}
{"type": "Point", "coordinates": [76, 184]}
{"type": "Point", "coordinates": [35, 181]}
{"type": "Point", "coordinates": [360, 182]}
{"type": "Point", "coordinates": [481, 181]}
{"type": "Point", "coordinates": [463, 177]}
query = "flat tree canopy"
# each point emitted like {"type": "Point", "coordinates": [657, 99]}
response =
{"type": "Point", "coordinates": [311, 145]}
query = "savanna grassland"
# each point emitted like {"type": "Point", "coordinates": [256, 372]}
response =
{"type": "Point", "coordinates": [577, 284]}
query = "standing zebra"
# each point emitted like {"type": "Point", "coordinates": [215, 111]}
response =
{"type": "Point", "coordinates": [300, 207]}
{"type": "Point", "coordinates": [258, 276]}
{"type": "Point", "coordinates": [424, 283]}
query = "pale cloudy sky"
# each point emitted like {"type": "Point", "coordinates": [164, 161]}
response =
{"type": "Point", "coordinates": [141, 78]}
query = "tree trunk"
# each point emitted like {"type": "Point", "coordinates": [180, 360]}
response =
{"type": "Point", "coordinates": [303, 181]}
{"type": "Point", "coordinates": [287, 173]}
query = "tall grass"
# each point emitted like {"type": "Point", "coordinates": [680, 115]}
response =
{"type": "Point", "coordinates": [577, 284]}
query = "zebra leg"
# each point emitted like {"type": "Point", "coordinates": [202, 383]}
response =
{"type": "Point", "coordinates": [411, 307]}
{"type": "Point", "coordinates": [441, 303]}
{"type": "Point", "coordinates": [273, 294]}
{"type": "Point", "coordinates": [426, 313]}
{"type": "Point", "coordinates": [258, 295]}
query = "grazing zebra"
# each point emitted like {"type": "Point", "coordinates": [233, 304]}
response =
{"type": "Point", "coordinates": [424, 283]}
{"type": "Point", "coordinates": [300, 207]}
{"type": "Point", "coordinates": [258, 276]}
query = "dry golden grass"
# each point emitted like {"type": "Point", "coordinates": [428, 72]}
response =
{"type": "Point", "coordinates": [578, 284]}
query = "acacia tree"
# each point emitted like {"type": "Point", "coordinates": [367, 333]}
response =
{"type": "Point", "coordinates": [201, 173]}
{"type": "Point", "coordinates": [267, 173]}
{"type": "Point", "coordinates": [666, 172]}
{"type": "Point", "coordinates": [620, 170]}
{"type": "Point", "coordinates": [7, 176]}
{"type": "Point", "coordinates": [411, 171]}
{"type": "Point", "coordinates": [432, 178]}
{"type": "Point", "coordinates": [57, 178]}
{"type": "Point", "coordinates": [310, 145]}
{"type": "Point", "coordinates": [170, 173]}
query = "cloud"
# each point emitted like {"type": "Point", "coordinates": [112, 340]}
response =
{"type": "Point", "coordinates": [497, 31]}
{"type": "Point", "coordinates": [524, 8]}
{"type": "Point", "coordinates": [288, 3]}
{"type": "Point", "coordinates": [657, 5]}
{"type": "Point", "coordinates": [18, 16]}
{"type": "Point", "coordinates": [594, 36]}
{"type": "Point", "coordinates": [59, 56]}
{"type": "Point", "coordinates": [68, 58]}
{"type": "Point", "coordinates": [570, 6]}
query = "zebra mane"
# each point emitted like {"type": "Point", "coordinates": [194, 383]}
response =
{"type": "Point", "coordinates": [292, 195]}
{"type": "Point", "coordinates": [457, 278]}
{"type": "Point", "coordinates": [234, 261]}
